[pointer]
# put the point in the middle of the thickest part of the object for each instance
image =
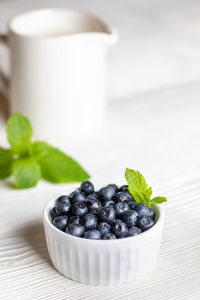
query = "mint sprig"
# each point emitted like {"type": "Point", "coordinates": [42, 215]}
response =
{"type": "Point", "coordinates": [5, 163]}
{"type": "Point", "coordinates": [139, 189]}
{"type": "Point", "coordinates": [29, 161]}
{"type": "Point", "coordinates": [54, 164]}
{"type": "Point", "coordinates": [19, 133]}
{"type": "Point", "coordinates": [26, 172]}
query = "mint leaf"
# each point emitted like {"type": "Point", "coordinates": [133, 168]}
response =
{"type": "Point", "coordinates": [56, 166]}
{"type": "Point", "coordinates": [137, 186]}
{"type": "Point", "coordinates": [138, 196]}
{"type": "Point", "coordinates": [19, 133]}
{"type": "Point", "coordinates": [139, 189]}
{"type": "Point", "coordinates": [5, 163]}
{"type": "Point", "coordinates": [26, 172]}
{"type": "Point", "coordinates": [158, 200]}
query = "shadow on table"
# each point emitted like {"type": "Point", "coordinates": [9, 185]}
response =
{"type": "Point", "coordinates": [34, 236]}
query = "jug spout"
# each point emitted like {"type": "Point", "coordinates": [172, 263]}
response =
{"type": "Point", "coordinates": [88, 25]}
{"type": "Point", "coordinates": [109, 33]}
{"type": "Point", "coordinates": [112, 36]}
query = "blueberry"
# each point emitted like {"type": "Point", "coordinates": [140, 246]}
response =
{"type": "Point", "coordinates": [74, 220]}
{"type": "Point", "coordinates": [114, 186]}
{"type": "Point", "coordinates": [77, 196]}
{"type": "Point", "coordinates": [121, 207]}
{"type": "Point", "coordinates": [79, 209]}
{"type": "Point", "coordinates": [133, 230]}
{"type": "Point", "coordinates": [109, 236]}
{"type": "Point", "coordinates": [152, 213]}
{"type": "Point", "coordinates": [92, 234]}
{"type": "Point", "coordinates": [103, 228]}
{"type": "Point", "coordinates": [96, 194]}
{"type": "Point", "coordinates": [93, 205]}
{"type": "Point", "coordinates": [60, 222]}
{"type": "Point", "coordinates": [120, 229]}
{"type": "Point", "coordinates": [53, 213]}
{"type": "Point", "coordinates": [75, 229]}
{"type": "Point", "coordinates": [62, 205]}
{"type": "Point", "coordinates": [89, 221]}
{"type": "Point", "coordinates": [142, 210]}
{"type": "Point", "coordinates": [121, 197]}
{"type": "Point", "coordinates": [106, 193]}
{"type": "Point", "coordinates": [123, 188]}
{"type": "Point", "coordinates": [107, 214]}
{"type": "Point", "coordinates": [108, 203]}
{"type": "Point", "coordinates": [145, 223]}
{"type": "Point", "coordinates": [92, 196]}
{"type": "Point", "coordinates": [87, 187]}
{"type": "Point", "coordinates": [129, 217]}
{"type": "Point", "coordinates": [132, 205]}
{"type": "Point", "coordinates": [129, 197]}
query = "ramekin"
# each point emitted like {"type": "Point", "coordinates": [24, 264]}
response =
{"type": "Point", "coordinates": [103, 262]}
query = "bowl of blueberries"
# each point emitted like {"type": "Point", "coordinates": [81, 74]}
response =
{"type": "Point", "coordinates": [102, 236]}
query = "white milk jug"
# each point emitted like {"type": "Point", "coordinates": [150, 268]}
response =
{"type": "Point", "coordinates": [57, 76]}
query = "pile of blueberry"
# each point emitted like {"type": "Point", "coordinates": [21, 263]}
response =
{"type": "Point", "coordinates": [108, 214]}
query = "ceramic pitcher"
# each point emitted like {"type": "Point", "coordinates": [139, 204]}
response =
{"type": "Point", "coordinates": [58, 71]}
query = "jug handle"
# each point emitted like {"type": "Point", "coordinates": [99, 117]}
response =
{"type": "Point", "coordinates": [4, 80]}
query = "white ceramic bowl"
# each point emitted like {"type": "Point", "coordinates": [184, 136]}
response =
{"type": "Point", "coordinates": [103, 262]}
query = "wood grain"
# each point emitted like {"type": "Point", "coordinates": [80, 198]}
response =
{"type": "Point", "coordinates": [159, 138]}
{"type": "Point", "coordinates": [26, 271]}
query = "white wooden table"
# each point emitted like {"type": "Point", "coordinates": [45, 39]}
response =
{"type": "Point", "coordinates": [156, 133]}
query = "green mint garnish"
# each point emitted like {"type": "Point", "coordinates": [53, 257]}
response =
{"type": "Point", "coordinates": [158, 200]}
{"type": "Point", "coordinates": [139, 189]}
{"type": "Point", "coordinates": [5, 163]}
{"type": "Point", "coordinates": [29, 161]}
{"type": "Point", "coordinates": [26, 172]}
{"type": "Point", "coordinates": [19, 133]}
{"type": "Point", "coordinates": [55, 165]}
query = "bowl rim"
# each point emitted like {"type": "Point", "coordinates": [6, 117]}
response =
{"type": "Point", "coordinates": [49, 205]}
